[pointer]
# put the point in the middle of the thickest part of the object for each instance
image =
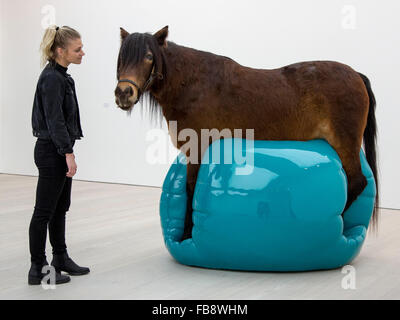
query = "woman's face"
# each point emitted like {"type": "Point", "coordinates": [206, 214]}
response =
{"type": "Point", "coordinates": [73, 53]}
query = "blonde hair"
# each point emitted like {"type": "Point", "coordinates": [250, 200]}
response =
{"type": "Point", "coordinates": [53, 38]}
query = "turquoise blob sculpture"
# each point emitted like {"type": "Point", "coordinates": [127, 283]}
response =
{"type": "Point", "coordinates": [266, 206]}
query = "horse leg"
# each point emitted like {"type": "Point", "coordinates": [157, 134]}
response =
{"type": "Point", "coordinates": [191, 177]}
{"type": "Point", "coordinates": [356, 181]}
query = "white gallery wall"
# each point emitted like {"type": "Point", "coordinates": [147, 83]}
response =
{"type": "Point", "coordinates": [261, 34]}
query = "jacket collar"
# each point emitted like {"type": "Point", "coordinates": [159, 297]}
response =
{"type": "Point", "coordinates": [60, 68]}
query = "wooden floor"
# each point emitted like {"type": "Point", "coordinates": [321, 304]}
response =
{"type": "Point", "coordinates": [115, 230]}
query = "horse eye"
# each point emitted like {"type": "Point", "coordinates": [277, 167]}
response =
{"type": "Point", "coordinates": [149, 57]}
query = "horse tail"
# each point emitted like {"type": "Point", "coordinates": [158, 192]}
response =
{"type": "Point", "coordinates": [370, 145]}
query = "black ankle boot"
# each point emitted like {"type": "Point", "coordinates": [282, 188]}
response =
{"type": "Point", "coordinates": [62, 262]}
{"type": "Point", "coordinates": [36, 275]}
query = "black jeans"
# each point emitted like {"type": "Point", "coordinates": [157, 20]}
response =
{"type": "Point", "coordinates": [53, 198]}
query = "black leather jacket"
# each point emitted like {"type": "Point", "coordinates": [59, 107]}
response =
{"type": "Point", "coordinates": [55, 113]}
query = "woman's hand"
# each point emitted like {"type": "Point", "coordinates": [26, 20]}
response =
{"type": "Point", "coordinates": [72, 167]}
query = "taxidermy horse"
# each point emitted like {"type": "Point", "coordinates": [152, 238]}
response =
{"type": "Point", "coordinates": [200, 90]}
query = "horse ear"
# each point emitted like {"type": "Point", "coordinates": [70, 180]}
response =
{"type": "Point", "coordinates": [124, 34]}
{"type": "Point", "coordinates": [161, 36]}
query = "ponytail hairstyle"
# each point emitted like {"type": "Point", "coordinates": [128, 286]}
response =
{"type": "Point", "coordinates": [53, 38]}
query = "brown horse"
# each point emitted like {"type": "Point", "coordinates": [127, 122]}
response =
{"type": "Point", "coordinates": [302, 101]}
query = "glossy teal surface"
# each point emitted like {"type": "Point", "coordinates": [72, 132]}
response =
{"type": "Point", "coordinates": [280, 210]}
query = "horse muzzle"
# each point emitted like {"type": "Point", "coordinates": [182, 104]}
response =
{"type": "Point", "coordinates": [125, 98]}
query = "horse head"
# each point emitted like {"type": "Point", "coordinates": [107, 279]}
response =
{"type": "Point", "coordinates": [139, 65]}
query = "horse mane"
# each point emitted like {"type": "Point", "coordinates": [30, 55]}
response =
{"type": "Point", "coordinates": [150, 106]}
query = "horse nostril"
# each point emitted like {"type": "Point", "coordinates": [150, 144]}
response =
{"type": "Point", "coordinates": [117, 91]}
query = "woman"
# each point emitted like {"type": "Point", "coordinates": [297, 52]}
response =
{"type": "Point", "coordinates": [56, 124]}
